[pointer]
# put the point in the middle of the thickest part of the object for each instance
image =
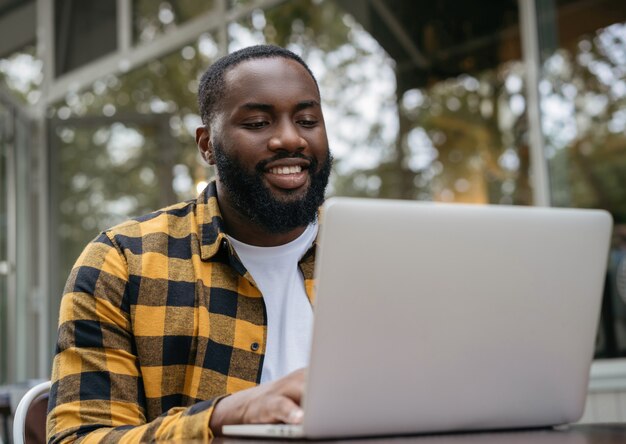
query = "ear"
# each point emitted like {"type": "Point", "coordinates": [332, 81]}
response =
{"type": "Point", "coordinates": [203, 140]}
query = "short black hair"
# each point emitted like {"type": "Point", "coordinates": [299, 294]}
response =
{"type": "Point", "coordinates": [212, 84]}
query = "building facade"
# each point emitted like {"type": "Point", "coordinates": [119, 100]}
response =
{"type": "Point", "coordinates": [517, 102]}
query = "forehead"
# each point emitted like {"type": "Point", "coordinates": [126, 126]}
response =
{"type": "Point", "coordinates": [268, 80]}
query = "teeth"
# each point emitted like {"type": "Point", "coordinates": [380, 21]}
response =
{"type": "Point", "coordinates": [286, 170]}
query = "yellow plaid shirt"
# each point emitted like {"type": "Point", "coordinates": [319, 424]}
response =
{"type": "Point", "coordinates": [159, 319]}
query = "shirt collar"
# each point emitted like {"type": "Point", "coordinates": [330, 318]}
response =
{"type": "Point", "coordinates": [210, 222]}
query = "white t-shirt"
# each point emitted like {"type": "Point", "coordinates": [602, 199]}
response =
{"type": "Point", "coordinates": [289, 312]}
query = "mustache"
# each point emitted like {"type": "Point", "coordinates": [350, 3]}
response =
{"type": "Point", "coordinates": [261, 166]}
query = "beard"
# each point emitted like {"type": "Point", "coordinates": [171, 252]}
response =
{"type": "Point", "coordinates": [254, 200]}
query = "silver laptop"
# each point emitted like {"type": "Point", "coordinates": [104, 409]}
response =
{"type": "Point", "coordinates": [433, 317]}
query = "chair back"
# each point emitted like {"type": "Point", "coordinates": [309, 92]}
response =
{"type": "Point", "coordinates": [29, 422]}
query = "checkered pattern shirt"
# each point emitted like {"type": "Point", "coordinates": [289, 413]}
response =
{"type": "Point", "coordinates": [159, 319]}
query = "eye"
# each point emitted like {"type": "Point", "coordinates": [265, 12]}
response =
{"type": "Point", "coordinates": [258, 124]}
{"type": "Point", "coordinates": [307, 122]}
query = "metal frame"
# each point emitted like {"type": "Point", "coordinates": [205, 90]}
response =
{"type": "Point", "coordinates": [18, 113]}
{"type": "Point", "coordinates": [124, 25]}
{"type": "Point", "coordinates": [22, 299]}
{"type": "Point", "coordinates": [400, 33]}
{"type": "Point", "coordinates": [222, 30]}
{"type": "Point", "coordinates": [11, 254]}
{"type": "Point", "coordinates": [45, 51]}
{"type": "Point", "coordinates": [128, 57]}
{"type": "Point", "coordinates": [530, 49]}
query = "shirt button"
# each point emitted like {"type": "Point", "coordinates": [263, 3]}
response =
{"type": "Point", "coordinates": [254, 346]}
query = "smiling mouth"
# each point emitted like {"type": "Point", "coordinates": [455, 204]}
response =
{"type": "Point", "coordinates": [287, 178]}
{"type": "Point", "coordinates": [286, 170]}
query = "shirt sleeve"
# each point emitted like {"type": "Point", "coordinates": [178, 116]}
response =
{"type": "Point", "coordinates": [97, 389]}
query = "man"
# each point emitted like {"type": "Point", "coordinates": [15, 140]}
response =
{"type": "Point", "coordinates": [199, 315]}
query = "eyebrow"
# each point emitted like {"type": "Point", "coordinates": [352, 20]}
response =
{"type": "Point", "coordinates": [266, 107]}
{"type": "Point", "coordinates": [257, 106]}
{"type": "Point", "coordinates": [307, 104]}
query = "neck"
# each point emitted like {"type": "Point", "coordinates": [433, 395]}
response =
{"type": "Point", "coordinates": [241, 228]}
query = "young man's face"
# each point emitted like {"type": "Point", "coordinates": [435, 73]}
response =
{"type": "Point", "coordinates": [268, 141]}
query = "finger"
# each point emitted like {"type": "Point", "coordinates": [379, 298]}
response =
{"type": "Point", "coordinates": [295, 417]}
{"type": "Point", "coordinates": [288, 412]}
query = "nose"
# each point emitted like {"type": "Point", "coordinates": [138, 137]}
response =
{"type": "Point", "coordinates": [286, 138]}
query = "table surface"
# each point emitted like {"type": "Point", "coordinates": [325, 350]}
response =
{"type": "Point", "coordinates": [576, 434]}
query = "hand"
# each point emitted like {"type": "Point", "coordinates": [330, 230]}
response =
{"type": "Point", "coordinates": [273, 402]}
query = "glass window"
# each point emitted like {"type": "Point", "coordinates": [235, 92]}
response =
{"type": "Point", "coordinates": [461, 102]}
{"type": "Point", "coordinates": [19, 315]}
{"type": "Point", "coordinates": [420, 104]}
{"type": "Point", "coordinates": [126, 147]}
{"type": "Point", "coordinates": [583, 105]}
